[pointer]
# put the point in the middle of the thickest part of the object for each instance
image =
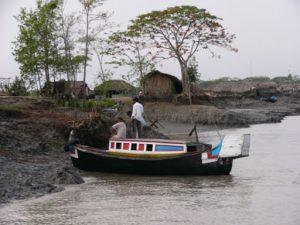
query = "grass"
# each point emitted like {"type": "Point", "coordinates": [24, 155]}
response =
{"type": "Point", "coordinates": [11, 110]}
{"type": "Point", "coordinates": [87, 104]}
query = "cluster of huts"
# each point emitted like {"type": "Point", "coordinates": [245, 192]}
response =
{"type": "Point", "coordinates": [161, 86]}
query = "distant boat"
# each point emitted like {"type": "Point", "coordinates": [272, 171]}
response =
{"type": "Point", "coordinates": [160, 156]}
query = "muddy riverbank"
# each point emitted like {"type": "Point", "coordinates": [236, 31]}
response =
{"type": "Point", "coordinates": [32, 160]}
{"type": "Point", "coordinates": [33, 133]}
{"type": "Point", "coordinates": [231, 113]}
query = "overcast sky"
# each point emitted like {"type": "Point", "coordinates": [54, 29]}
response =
{"type": "Point", "coordinates": [267, 35]}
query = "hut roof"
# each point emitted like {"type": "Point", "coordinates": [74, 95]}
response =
{"type": "Point", "coordinates": [157, 72]}
{"type": "Point", "coordinates": [175, 80]}
{"type": "Point", "coordinates": [117, 85]}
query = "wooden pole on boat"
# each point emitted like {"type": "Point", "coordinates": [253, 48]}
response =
{"type": "Point", "coordinates": [196, 133]}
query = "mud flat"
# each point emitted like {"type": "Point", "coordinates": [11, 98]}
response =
{"type": "Point", "coordinates": [33, 132]}
{"type": "Point", "coordinates": [32, 160]}
{"type": "Point", "coordinates": [239, 113]}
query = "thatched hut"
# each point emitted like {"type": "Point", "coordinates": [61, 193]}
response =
{"type": "Point", "coordinates": [68, 88]}
{"type": "Point", "coordinates": [161, 85]}
{"type": "Point", "coordinates": [115, 87]}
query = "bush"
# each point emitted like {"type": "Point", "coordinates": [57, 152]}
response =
{"type": "Point", "coordinates": [107, 103]}
{"type": "Point", "coordinates": [18, 88]}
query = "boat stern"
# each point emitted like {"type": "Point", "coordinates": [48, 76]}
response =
{"type": "Point", "coordinates": [235, 146]}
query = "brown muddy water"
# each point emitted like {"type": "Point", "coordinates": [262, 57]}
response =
{"type": "Point", "coordinates": [263, 189]}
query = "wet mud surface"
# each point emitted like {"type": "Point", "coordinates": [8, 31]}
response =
{"type": "Point", "coordinates": [34, 131]}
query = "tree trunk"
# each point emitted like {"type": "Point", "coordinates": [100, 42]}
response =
{"type": "Point", "coordinates": [186, 86]}
{"type": "Point", "coordinates": [184, 78]}
{"type": "Point", "coordinates": [86, 53]}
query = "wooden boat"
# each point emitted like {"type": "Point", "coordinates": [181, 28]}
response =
{"type": "Point", "coordinates": [161, 156]}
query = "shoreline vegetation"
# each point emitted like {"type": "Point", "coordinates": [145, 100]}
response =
{"type": "Point", "coordinates": [33, 132]}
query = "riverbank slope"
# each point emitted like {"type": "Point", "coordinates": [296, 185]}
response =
{"type": "Point", "coordinates": [33, 132]}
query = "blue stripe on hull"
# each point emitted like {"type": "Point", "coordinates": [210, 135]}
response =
{"type": "Point", "coordinates": [168, 148]}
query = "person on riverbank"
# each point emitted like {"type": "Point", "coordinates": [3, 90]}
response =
{"type": "Point", "coordinates": [119, 129]}
{"type": "Point", "coordinates": [137, 118]}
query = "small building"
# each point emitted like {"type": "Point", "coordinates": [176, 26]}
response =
{"type": "Point", "coordinates": [161, 85]}
{"type": "Point", "coordinates": [112, 88]}
{"type": "Point", "coordinates": [68, 88]}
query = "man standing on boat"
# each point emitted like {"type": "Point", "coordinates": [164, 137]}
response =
{"type": "Point", "coordinates": [137, 117]}
{"type": "Point", "coordinates": [120, 129]}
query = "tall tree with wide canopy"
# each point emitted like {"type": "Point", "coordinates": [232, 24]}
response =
{"type": "Point", "coordinates": [180, 32]}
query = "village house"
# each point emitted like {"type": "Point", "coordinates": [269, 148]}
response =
{"type": "Point", "coordinates": [113, 88]}
{"type": "Point", "coordinates": [161, 85]}
{"type": "Point", "coordinates": [289, 88]}
{"type": "Point", "coordinates": [68, 89]}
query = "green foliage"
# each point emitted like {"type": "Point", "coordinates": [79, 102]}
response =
{"type": "Point", "coordinates": [106, 103]}
{"type": "Point", "coordinates": [18, 88]}
{"type": "Point", "coordinates": [11, 110]}
{"type": "Point", "coordinates": [36, 45]}
{"type": "Point", "coordinates": [102, 89]}
{"type": "Point", "coordinates": [45, 45]}
{"type": "Point", "coordinates": [117, 85]}
{"type": "Point", "coordinates": [192, 70]}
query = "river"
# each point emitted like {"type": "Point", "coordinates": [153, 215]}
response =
{"type": "Point", "coordinates": [263, 189]}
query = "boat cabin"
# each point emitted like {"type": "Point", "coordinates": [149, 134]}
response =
{"type": "Point", "coordinates": [154, 146]}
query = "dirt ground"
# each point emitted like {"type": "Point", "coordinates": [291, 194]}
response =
{"type": "Point", "coordinates": [32, 159]}
{"type": "Point", "coordinates": [228, 113]}
{"type": "Point", "coordinates": [33, 132]}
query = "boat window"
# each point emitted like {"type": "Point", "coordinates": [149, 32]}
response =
{"type": "Point", "coordinates": [119, 145]}
{"type": "Point", "coordinates": [112, 145]}
{"type": "Point", "coordinates": [125, 146]}
{"type": "Point", "coordinates": [134, 147]}
{"type": "Point", "coordinates": [141, 147]}
{"type": "Point", "coordinates": [149, 147]}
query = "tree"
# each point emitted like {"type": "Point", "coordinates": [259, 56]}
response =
{"type": "Point", "coordinates": [26, 48]}
{"type": "Point", "coordinates": [129, 49]}
{"type": "Point", "coordinates": [66, 33]}
{"type": "Point", "coordinates": [180, 32]}
{"type": "Point", "coordinates": [47, 37]}
{"type": "Point", "coordinates": [102, 49]}
{"type": "Point", "coordinates": [90, 17]}
{"type": "Point", "coordinates": [36, 46]}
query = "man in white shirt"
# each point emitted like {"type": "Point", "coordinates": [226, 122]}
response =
{"type": "Point", "coordinates": [120, 129]}
{"type": "Point", "coordinates": [137, 117]}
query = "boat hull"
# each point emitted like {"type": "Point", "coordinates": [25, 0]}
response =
{"type": "Point", "coordinates": [185, 164]}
